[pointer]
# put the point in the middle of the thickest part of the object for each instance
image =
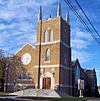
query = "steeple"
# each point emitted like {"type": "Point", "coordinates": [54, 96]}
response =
{"type": "Point", "coordinates": [59, 9]}
{"type": "Point", "coordinates": [40, 14]}
{"type": "Point", "coordinates": [50, 16]}
{"type": "Point", "coordinates": [67, 18]}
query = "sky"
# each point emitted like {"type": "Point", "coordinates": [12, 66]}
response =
{"type": "Point", "coordinates": [18, 25]}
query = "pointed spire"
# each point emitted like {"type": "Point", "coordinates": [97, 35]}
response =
{"type": "Point", "coordinates": [94, 69]}
{"type": "Point", "coordinates": [40, 14]}
{"type": "Point", "coordinates": [67, 18]}
{"type": "Point", "coordinates": [50, 16]}
{"type": "Point", "coordinates": [59, 9]}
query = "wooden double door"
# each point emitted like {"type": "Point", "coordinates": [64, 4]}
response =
{"type": "Point", "coordinates": [47, 83]}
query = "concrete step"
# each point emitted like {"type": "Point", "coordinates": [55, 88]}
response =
{"type": "Point", "coordinates": [40, 93]}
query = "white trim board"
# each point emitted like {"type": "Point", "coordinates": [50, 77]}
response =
{"type": "Point", "coordinates": [12, 84]}
{"type": "Point", "coordinates": [48, 66]}
{"type": "Point", "coordinates": [53, 42]}
{"type": "Point", "coordinates": [47, 43]}
{"type": "Point", "coordinates": [27, 43]}
{"type": "Point", "coordinates": [43, 43]}
{"type": "Point", "coordinates": [51, 66]}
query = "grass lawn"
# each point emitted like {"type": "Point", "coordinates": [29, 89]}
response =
{"type": "Point", "coordinates": [69, 99]}
{"type": "Point", "coordinates": [56, 99]}
{"type": "Point", "coordinates": [3, 94]}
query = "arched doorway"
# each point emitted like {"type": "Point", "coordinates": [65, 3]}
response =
{"type": "Point", "coordinates": [47, 81]}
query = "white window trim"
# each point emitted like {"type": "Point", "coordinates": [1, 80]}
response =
{"type": "Point", "coordinates": [47, 55]}
{"type": "Point", "coordinates": [46, 36]}
{"type": "Point", "coordinates": [46, 61]}
{"type": "Point", "coordinates": [51, 35]}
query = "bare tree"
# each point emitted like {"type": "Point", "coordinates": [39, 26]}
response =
{"type": "Point", "coordinates": [2, 65]}
{"type": "Point", "coordinates": [10, 67]}
{"type": "Point", "coordinates": [13, 68]}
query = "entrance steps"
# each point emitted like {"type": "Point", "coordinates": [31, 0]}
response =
{"type": "Point", "coordinates": [40, 93]}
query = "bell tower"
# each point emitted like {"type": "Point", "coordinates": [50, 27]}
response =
{"type": "Point", "coordinates": [55, 52]}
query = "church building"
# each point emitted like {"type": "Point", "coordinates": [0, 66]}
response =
{"type": "Point", "coordinates": [51, 57]}
{"type": "Point", "coordinates": [47, 65]}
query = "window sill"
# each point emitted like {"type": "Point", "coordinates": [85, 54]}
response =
{"type": "Point", "coordinates": [25, 79]}
{"type": "Point", "coordinates": [47, 62]}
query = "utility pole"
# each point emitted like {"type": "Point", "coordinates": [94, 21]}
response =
{"type": "Point", "coordinates": [39, 68]}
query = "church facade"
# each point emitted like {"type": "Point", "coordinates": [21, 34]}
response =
{"type": "Point", "coordinates": [54, 70]}
{"type": "Point", "coordinates": [47, 65]}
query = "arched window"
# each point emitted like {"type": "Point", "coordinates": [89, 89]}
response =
{"type": "Point", "coordinates": [46, 36]}
{"type": "Point", "coordinates": [47, 55]}
{"type": "Point", "coordinates": [51, 35]}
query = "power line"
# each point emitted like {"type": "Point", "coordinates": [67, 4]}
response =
{"type": "Point", "coordinates": [87, 18]}
{"type": "Point", "coordinates": [81, 19]}
{"type": "Point", "coordinates": [73, 8]}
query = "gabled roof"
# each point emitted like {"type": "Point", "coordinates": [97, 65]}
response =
{"type": "Point", "coordinates": [27, 43]}
{"type": "Point", "coordinates": [74, 63]}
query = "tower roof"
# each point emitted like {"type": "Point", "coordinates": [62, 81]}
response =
{"type": "Point", "coordinates": [40, 14]}
{"type": "Point", "coordinates": [59, 9]}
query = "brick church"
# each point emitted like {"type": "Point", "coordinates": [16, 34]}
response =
{"type": "Point", "coordinates": [55, 70]}
{"type": "Point", "coordinates": [48, 64]}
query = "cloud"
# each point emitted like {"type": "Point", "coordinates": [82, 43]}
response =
{"type": "Point", "coordinates": [98, 76]}
{"type": "Point", "coordinates": [18, 25]}
{"type": "Point", "coordinates": [4, 26]}
{"type": "Point", "coordinates": [83, 56]}
{"type": "Point", "coordinates": [18, 22]}
{"type": "Point", "coordinates": [80, 42]}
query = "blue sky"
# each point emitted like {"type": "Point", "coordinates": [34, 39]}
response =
{"type": "Point", "coordinates": [18, 25]}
